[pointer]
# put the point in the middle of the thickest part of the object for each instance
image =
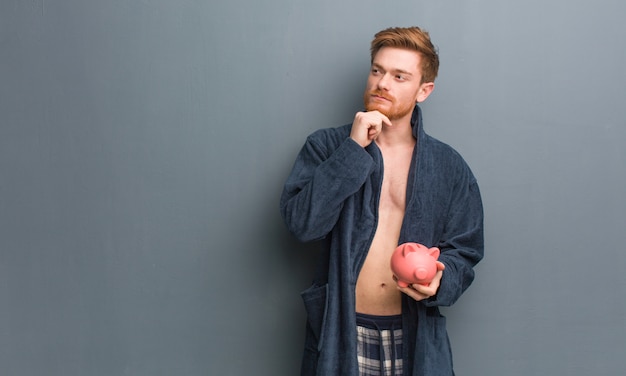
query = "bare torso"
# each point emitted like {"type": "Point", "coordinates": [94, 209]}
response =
{"type": "Point", "coordinates": [376, 291]}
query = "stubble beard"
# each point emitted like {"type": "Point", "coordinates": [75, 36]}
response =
{"type": "Point", "coordinates": [391, 112]}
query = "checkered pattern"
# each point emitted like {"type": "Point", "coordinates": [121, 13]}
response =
{"type": "Point", "coordinates": [379, 348]}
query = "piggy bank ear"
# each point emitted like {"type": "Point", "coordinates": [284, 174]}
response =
{"type": "Point", "coordinates": [434, 251]}
{"type": "Point", "coordinates": [408, 248]}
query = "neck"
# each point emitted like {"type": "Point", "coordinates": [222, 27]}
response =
{"type": "Point", "coordinates": [399, 134]}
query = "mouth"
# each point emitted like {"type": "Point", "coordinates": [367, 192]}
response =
{"type": "Point", "coordinates": [380, 97]}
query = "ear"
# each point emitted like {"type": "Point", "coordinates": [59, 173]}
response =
{"type": "Point", "coordinates": [434, 251]}
{"type": "Point", "coordinates": [408, 248]}
{"type": "Point", "coordinates": [424, 91]}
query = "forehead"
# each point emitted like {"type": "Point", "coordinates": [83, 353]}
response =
{"type": "Point", "coordinates": [392, 58]}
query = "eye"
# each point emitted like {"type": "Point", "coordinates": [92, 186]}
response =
{"type": "Point", "coordinates": [375, 71]}
{"type": "Point", "coordinates": [400, 77]}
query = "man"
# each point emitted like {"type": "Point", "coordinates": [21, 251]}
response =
{"type": "Point", "coordinates": [365, 188]}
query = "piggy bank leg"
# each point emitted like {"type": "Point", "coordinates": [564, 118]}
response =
{"type": "Point", "coordinates": [403, 284]}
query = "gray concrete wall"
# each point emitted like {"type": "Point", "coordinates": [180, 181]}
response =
{"type": "Point", "coordinates": [143, 147]}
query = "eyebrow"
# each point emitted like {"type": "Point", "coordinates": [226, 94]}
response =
{"type": "Point", "coordinates": [393, 70]}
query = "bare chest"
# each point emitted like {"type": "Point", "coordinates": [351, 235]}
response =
{"type": "Point", "coordinates": [394, 185]}
{"type": "Point", "coordinates": [375, 290]}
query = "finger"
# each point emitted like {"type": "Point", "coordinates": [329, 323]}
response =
{"type": "Point", "coordinates": [374, 129]}
{"type": "Point", "coordinates": [423, 290]}
{"type": "Point", "coordinates": [432, 288]}
{"type": "Point", "coordinates": [372, 134]}
{"type": "Point", "coordinates": [385, 120]}
{"type": "Point", "coordinates": [382, 118]}
{"type": "Point", "coordinates": [415, 295]}
{"type": "Point", "coordinates": [441, 265]}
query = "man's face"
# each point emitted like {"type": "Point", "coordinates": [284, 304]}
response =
{"type": "Point", "coordinates": [393, 85]}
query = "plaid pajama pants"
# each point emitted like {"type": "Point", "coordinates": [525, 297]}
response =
{"type": "Point", "coordinates": [379, 345]}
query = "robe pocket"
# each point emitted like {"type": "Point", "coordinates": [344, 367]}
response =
{"type": "Point", "coordinates": [315, 303]}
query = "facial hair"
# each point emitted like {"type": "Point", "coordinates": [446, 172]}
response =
{"type": "Point", "coordinates": [393, 113]}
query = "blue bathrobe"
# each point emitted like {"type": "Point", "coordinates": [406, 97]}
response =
{"type": "Point", "coordinates": [332, 194]}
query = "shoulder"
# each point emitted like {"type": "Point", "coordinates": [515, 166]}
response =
{"type": "Point", "coordinates": [445, 158]}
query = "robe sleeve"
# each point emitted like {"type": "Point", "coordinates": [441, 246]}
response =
{"type": "Point", "coordinates": [322, 178]}
{"type": "Point", "coordinates": [462, 244]}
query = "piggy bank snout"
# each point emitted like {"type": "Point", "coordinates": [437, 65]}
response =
{"type": "Point", "coordinates": [422, 273]}
{"type": "Point", "coordinates": [423, 265]}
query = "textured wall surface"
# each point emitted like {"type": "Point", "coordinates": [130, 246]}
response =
{"type": "Point", "coordinates": [143, 147]}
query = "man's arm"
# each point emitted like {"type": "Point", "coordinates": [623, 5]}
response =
{"type": "Point", "coordinates": [324, 176]}
{"type": "Point", "coordinates": [462, 245]}
{"type": "Point", "coordinates": [320, 181]}
{"type": "Point", "coordinates": [462, 248]}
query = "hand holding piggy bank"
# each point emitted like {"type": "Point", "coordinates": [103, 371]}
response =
{"type": "Point", "coordinates": [414, 263]}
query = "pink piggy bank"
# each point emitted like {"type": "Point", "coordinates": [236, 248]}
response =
{"type": "Point", "coordinates": [414, 263]}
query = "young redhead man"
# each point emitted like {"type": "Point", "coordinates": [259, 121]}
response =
{"type": "Point", "coordinates": [365, 188]}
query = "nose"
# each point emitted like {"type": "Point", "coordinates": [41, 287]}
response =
{"type": "Point", "coordinates": [383, 82]}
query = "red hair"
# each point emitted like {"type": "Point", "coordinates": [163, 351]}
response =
{"type": "Point", "coordinates": [410, 38]}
